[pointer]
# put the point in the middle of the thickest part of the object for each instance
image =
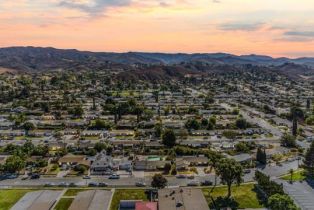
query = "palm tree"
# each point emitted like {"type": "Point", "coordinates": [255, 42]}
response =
{"type": "Point", "coordinates": [291, 172]}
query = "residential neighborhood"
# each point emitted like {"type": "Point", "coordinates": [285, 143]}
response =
{"type": "Point", "coordinates": [81, 129]}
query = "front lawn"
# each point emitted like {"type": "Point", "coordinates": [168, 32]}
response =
{"type": "Point", "coordinates": [296, 176]}
{"type": "Point", "coordinates": [9, 197]}
{"type": "Point", "coordinates": [127, 194]}
{"type": "Point", "coordinates": [244, 195]}
{"type": "Point", "coordinates": [73, 192]}
{"type": "Point", "coordinates": [64, 204]}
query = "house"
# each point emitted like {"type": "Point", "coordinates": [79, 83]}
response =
{"type": "Point", "coordinates": [194, 160]}
{"type": "Point", "coordinates": [181, 198]}
{"type": "Point", "coordinates": [103, 164]}
{"type": "Point", "coordinates": [151, 163]}
{"type": "Point", "coordinates": [137, 205]}
{"type": "Point", "coordinates": [73, 160]}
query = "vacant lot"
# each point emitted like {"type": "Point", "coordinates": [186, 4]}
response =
{"type": "Point", "coordinates": [243, 195]}
{"type": "Point", "coordinates": [9, 197]}
{"type": "Point", "coordinates": [64, 203]}
{"type": "Point", "coordinates": [129, 194]}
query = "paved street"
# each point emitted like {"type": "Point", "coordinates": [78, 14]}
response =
{"type": "Point", "coordinates": [255, 120]}
{"type": "Point", "coordinates": [129, 181]}
{"type": "Point", "coordinates": [301, 193]}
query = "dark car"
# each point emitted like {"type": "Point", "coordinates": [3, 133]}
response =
{"type": "Point", "coordinates": [207, 183]}
{"type": "Point", "coordinates": [247, 171]}
{"type": "Point", "coordinates": [35, 176]}
{"type": "Point", "coordinates": [63, 184]}
{"type": "Point", "coordinates": [102, 184]}
{"type": "Point", "coordinates": [92, 184]}
{"type": "Point", "coordinates": [72, 184]}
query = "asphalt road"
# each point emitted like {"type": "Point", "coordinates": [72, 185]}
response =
{"type": "Point", "coordinates": [256, 120]}
{"type": "Point", "coordinates": [130, 181]}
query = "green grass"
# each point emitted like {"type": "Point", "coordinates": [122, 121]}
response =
{"type": "Point", "coordinates": [297, 176]}
{"type": "Point", "coordinates": [9, 197]}
{"type": "Point", "coordinates": [64, 204]}
{"type": "Point", "coordinates": [128, 194]}
{"type": "Point", "coordinates": [243, 195]}
{"type": "Point", "coordinates": [73, 192]}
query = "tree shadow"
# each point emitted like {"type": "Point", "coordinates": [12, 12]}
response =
{"type": "Point", "coordinates": [224, 203]}
{"type": "Point", "coordinates": [310, 182]}
{"type": "Point", "coordinates": [260, 194]}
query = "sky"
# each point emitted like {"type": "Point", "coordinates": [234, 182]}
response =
{"type": "Point", "coordinates": [269, 27]}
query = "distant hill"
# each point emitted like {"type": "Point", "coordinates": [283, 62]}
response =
{"type": "Point", "coordinates": [36, 58]}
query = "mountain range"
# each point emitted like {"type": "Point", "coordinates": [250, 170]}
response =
{"type": "Point", "coordinates": [37, 58]}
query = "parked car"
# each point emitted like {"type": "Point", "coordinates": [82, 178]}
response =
{"type": "Point", "coordinates": [114, 176]}
{"type": "Point", "coordinates": [63, 184]}
{"type": "Point", "coordinates": [140, 184]}
{"type": "Point", "coordinates": [49, 184]}
{"type": "Point", "coordinates": [102, 184]}
{"type": "Point", "coordinates": [72, 184]}
{"type": "Point", "coordinates": [12, 176]}
{"type": "Point", "coordinates": [207, 183]}
{"type": "Point", "coordinates": [193, 183]}
{"type": "Point", "coordinates": [191, 177]}
{"type": "Point", "coordinates": [92, 184]}
{"type": "Point", "coordinates": [181, 176]}
{"type": "Point", "coordinates": [25, 177]}
{"type": "Point", "coordinates": [247, 171]}
{"type": "Point", "coordinates": [35, 176]}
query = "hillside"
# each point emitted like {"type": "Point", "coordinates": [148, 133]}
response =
{"type": "Point", "coordinates": [35, 58]}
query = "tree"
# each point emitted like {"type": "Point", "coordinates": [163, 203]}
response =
{"type": "Point", "coordinates": [296, 114]}
{"type": "Point", "coordinates": [78, 111]}
{"type": "Point", "coordinates": [241, 123]}
{"type": "Point", "coordinates": [229, 172]}
{"type": "Point", "coordinates": [100, 146]}
{"type": "Point", "coordinates": [214, 158]}
{"type": "Point", "coordinates": [101, 124]}
{"type": "Point", "coordinates": [308, 104]}
{"type": "Point", "coordinates": [28, 147]}
{"type": "Point", "coordinates": [28, 126]}
{"type": "Point", "coordinates": [14, 163]}
{"type": "Point", "coordinates": [167, 168]}
{"type": "Point", "coordinates": [309, 161]}
{"type": "Point", "coordinates": [204, 122]}
{"type": "Point", "coordinates": [210, 126]}
{"type": "Point", "coordinates": [169, 138]}
{"type": "Point", "coordinates": [159, 181]}
{"type": "Point", "coordinates": [288, 140]}
{"type": "Point", "coordinates": [138, 110]}
{"type": "Point", "coordinates": [242, 147]}
{"type": "Point", "coordinates": [291, 171]}
{"type": "Point", "coordinates": [261, 156]}
{"type": "Point", "coordinates": [158, 129]}
{"type": "Point", "coordinates": [294, 126]}
{"type": "Point", "coordinates": [230, 134]}
{"type": "Point", "coordinates": [192, 124]}
{"type": "Point", "coordinates": [281, 202]}
{"type": "Point", "coordinates": [213, 120]}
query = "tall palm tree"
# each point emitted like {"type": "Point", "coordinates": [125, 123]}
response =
{"type": "Point", "coordinates": [291, 172]}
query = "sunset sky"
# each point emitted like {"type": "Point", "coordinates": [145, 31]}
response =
{"type": "Point", "coordinates": [272, 27]}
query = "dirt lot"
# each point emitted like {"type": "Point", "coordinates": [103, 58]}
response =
{"type": "Point", "coordinates": [4, 70]}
